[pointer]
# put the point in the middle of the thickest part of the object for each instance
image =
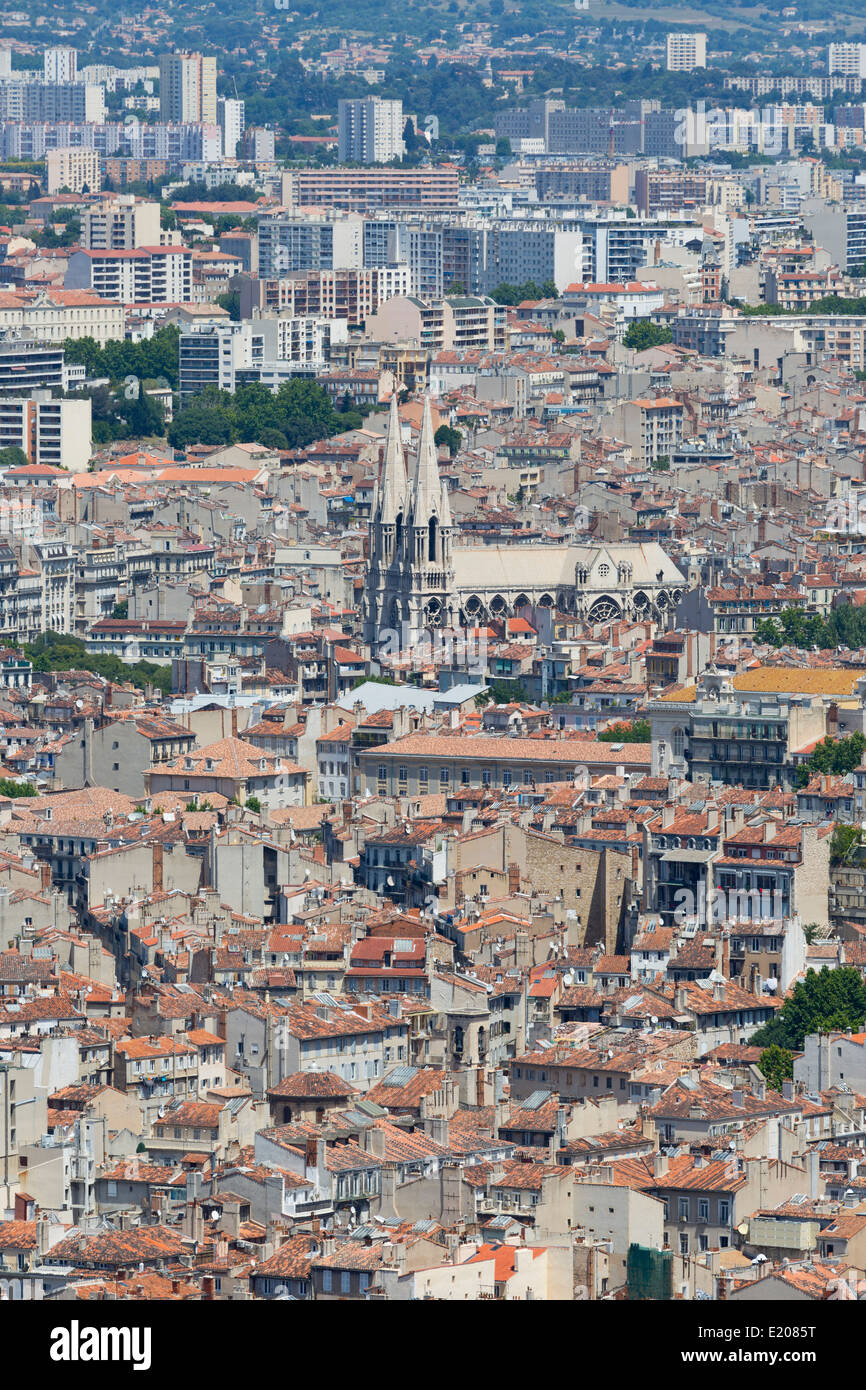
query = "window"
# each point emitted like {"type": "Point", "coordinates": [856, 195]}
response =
{"type": "Point", "coordinates": [724, 1211]}
{"type": "Point", "coordinates": [327, 1280]}
{"type": "Point", "coordinates": [703, 1209]}
{"type": "Point", "coordinates": [683, 1208]}
{"type": "Point", "coordinates": [345, 1282]}
{"type": "Point", "coordinates": [383, 772]}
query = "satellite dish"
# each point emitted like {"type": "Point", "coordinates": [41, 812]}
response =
{"type": "Point", "coordinates": [161, 1112]}
{"type": "Point", "coordinates": [215, 1215]}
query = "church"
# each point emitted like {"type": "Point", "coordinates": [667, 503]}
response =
{"type": "Point", "coordinates": [418, 580]}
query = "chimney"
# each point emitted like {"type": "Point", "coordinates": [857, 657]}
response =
{"type": "Point", "coordinates": [660, 1165]}
{"type": "Point", "coordinates": [234, 721]}
{"type": "Point", "coordinates": [737, 1099]}
{"type": "Point", "coordinates": [157, 866]}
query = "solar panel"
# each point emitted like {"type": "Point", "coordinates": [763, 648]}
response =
{"type": "Point", "coordinates": [536, 1100]}
{"type": "Point", "coordinates": [400, 1076]}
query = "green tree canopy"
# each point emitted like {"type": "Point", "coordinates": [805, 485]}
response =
{"type": "Point", "coordinates": [643, 333]}
{"type": "Point", "coordinates": [777, 1064]}
{"type": "Point", "coordinates": [833, 756]}
{"type": "Point", "coordinates": [452, 439]}
{"type": "Point", "coordinates": [638, 731]}
{"type": "Point", "coordinates": [13, 457]}
{"type": "Point", "coordinates": [824, 1000]}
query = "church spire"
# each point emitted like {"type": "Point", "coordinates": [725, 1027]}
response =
{"type": "Point", "coordinates": [393, 480]}
{"type": "Point", "coordinates": [426, 484]}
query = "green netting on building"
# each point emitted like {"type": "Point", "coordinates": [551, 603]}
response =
{"type": "Point", "coordinates": [649, 1273]}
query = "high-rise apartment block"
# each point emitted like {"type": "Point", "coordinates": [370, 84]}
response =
{"type": "Point", "coordinates": [371, 130]}
{"type": "Point", "coordinates": [230, 114]}
{"type": "Point", "coordinates": [187, 88]}
{"type": "Point", "coordinates": [686, 52]}
{"type": "Point", "coordinates": [60, 64]}
{"type": "Point", "coordinates": [847, 59]}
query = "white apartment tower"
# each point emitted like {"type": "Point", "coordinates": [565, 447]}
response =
{"type": "Point", "coordinates": [686, 52]}
{"type": "Point", "coordinates": [847, 59]}
{"type": "Point", "coordinates": [230, 114]}
{"type": "Point", "coordinates": [187, 88]}
{"type": "Point", "coordinates": [60, 64]}
{"type": "Point", "coordinates": [371, 130]}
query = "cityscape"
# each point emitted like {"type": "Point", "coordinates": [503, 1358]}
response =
{"type": "Point", "coordinates": [433, 664]}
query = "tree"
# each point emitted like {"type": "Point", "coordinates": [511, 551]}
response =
{"type": "Point", "coordinates": [13, 457]}
{"type": "Point", "coordinates": [638, 731]}
{"type": "Point", "coordinates": [777, 1064]}
{"type": "Point", "coordinates": [643, 333]}
{"type": "Point", "coordinates": [253, 804]}
{"type": "Point", "coordinates": [824, 1000]}
{"type": "Point", "coordinates": [515, 294]}
{"type": "Point", "coordinates": [9, 787]}
{"type": "Point", "coordinates": [842, 842]}
{"type": "Point", "coordinates": [121, 610]}
{"type": "Point", "coordinates": [452, 439]}
{"type": "Point", "coordinates": [503, 693]}
{"type": "Point", "coordinates": [833, 756]}
{"type": "Point", "coordinates": [231, 302]}
{"type": "Point", "coordinates": [503, 147]}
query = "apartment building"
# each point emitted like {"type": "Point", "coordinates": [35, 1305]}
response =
{"type": "Point", "coordinates": [417, 764]}
{"type": "Point", "coordinates": [76, 170]}
{"type": "Point", "coordinates": [664, 190]}
{"type": "Point", "coordinates": [460, 321]}
{"type": "Point", "coordinates": [52, 101]}
{"type": "Point", "coordinates": [231, 118]}
{"type": "Point", "coordinates": [685, 52]}
{"type": "Point", "coordinates": [55, 433]}
{"type": "Point", "coordinates": [652, 429]}
{"type": "Point", "coordinates": [351, 294]}
{"type": "Point", "coordinates": [841, 230]}
{"type": "Point", "coordinates": [187, 88]}
{"type": "Point", "coordinates": [742, 737]}
{"type": "Point", "coordinates": [846, 60]}
{"type": "Point", "coordinates": [360, 190]}
{"type": "Point", "coordinates": [269, 349]}
{"type": "Point", "coordinates": [289, 244]}
{"type": "Point", "coordinates": [123, 223]}
{"type": "Point", "coordinates": [60, 64]}
{"type": "Point", "coordinates": [370, 130]}
{"type": "Point", "coordinates": [147, 275]}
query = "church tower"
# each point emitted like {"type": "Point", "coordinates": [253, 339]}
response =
{"type": "Point", "coordinates": [410, 579]}
{"type": "Point", "coordinates": [383, 605]}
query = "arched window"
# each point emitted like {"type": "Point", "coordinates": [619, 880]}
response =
{"type": "Point", "coordinates": [398, 533]}
{"type": "Point", "coordinates": [678, 742]}
{"type": "Point", "coordinates": [431, 538]}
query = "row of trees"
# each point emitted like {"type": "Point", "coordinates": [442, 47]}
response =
{"type": "Point", "coordinates": [151, 359]}
{"type": "Point", "coordinates": [844, 627]}
{"type": "Point", "coordinates": [296, 415]}
{"type": "Point", "coordinates": [56, 651]}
